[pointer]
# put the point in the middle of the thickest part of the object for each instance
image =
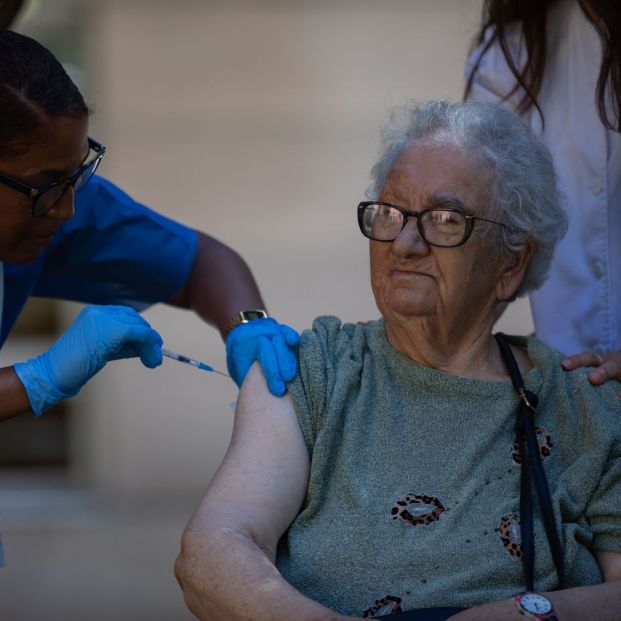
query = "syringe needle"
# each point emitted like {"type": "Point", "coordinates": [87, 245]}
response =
{"type": "Point", "coordinates": [194, 363]}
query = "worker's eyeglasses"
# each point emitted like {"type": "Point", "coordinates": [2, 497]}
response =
{"type": "Point", "coordinates": [47, 197]}
{"type": "Point", "coordinates": [443, 227]}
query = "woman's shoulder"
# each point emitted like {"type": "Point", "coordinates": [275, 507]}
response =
{"type": "Point", "coordinates": [489, 49]}
{"type": "Point", "coordinates": [331, 335]}
{"type": "Point", "coordinates": [574, 388]}
{"type": "Point", "coordinates": [333, 349]}
{"type": "Point", "coordinates": [330, 356]}
{"type": "Point", "coordinates": [494, 79]}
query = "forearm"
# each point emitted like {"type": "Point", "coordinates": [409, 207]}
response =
{"type": "Point", "coordinates": [219, 286]}
{"type": "Point", "coordinates": [600, 601]}
{"type": "Point", "coordinates": [13, 397]}
{"type": "Point", "coordinates": [226, 576]}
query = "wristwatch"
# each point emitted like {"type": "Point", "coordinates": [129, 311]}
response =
{"type": "Point", "coordinates": [535, 606]}
{"type": "Point", "coordinates": [246, 316]}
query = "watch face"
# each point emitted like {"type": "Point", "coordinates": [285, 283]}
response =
{"type": "Point", "coordinates": [250, 315]}
{"type": "Point", "coordinates": [535, 603]}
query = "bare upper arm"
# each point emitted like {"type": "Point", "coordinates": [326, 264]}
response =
{"type": "Point", "coordinates": [262, 481]}
{"type": "Point", "coordinates": [181, 299]}
{"type": "Point", "coordinates": [610, 564]}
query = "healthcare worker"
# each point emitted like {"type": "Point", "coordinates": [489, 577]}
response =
{"type": "Point", "coordinates": [67, 234]}
{"type": "Point", "coordinates": [558, 63]}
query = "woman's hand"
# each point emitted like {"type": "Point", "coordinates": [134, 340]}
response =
{"type": "Point", "coordinates": [607, 366]}
{"type": "Point", "coordinates": [98, 334]}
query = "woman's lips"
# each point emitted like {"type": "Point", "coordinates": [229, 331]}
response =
{"type": "Point", "coordinates": [43, 240]}
{"type": "Point", "coordinates": [397, 273]}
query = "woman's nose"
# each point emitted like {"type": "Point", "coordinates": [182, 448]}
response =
{"type": "Point", "coordinates": [64, 209]}
{"type": "Point", "coordinates": [409, 241]}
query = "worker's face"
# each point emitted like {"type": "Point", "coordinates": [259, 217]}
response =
{"type": "Point", "coordinates": [52, 154]}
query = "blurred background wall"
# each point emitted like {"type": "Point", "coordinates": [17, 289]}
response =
{"type": "Point", "coordinates": [253, 120]}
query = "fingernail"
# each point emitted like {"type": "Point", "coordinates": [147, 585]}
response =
{"type": "Point", "coordinates": [597, 377]}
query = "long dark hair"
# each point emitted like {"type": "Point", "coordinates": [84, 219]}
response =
{"type": "Point", "coordinates": [605, 16]}
{"type": "Point", "coordinates": [34, 88]}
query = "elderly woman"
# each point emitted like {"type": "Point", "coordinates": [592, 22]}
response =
{"type": "Point", "coordinates": [388, 479]}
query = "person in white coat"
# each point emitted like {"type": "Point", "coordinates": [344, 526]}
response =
{"type": "Point", "coordinates": [558, 63]}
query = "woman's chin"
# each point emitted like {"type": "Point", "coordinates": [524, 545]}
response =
{"type": "Point", "coordinates": [22, 255]}
{"type": "Point", "coordinates": [409, 306]}
{"type": "Point", "coordinates": [407, 297]}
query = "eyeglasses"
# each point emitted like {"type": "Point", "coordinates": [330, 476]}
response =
{"type": "Point", "coordinates": [445, 227]}
{"type": "Point", "coordinates": [47, 197]}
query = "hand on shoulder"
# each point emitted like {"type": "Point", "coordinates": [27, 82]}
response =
{"type": "Point", "coordinates": [606, 366]}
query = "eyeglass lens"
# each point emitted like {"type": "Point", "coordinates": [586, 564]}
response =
{"type": "Point", "coordinates": [440, 227]}
{"type": "Point", "coordinates": [50, 198]}
{"type": "Point", "coordinates": [86, 174]}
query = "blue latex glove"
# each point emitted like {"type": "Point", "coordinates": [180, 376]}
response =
{"type": "Point", "coordinates": [269, 342]}
{"type": "Point", "coordinates": [98, 334]}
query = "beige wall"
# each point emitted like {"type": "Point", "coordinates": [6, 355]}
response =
{"type": "Point", "coordinates": [256, 122]}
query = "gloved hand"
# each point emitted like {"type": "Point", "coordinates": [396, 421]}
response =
{"type": "Point", "coordinates": [98, 334]}
{"type": "Point", "coordinates": [269, 342]}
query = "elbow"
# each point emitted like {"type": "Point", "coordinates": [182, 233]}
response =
{"type": "Point", "coordinates": [193, 575]}
{"type": "Point", "coordinates": [203, 571]}
{"type": "Point", "coordinates": [183, 564]}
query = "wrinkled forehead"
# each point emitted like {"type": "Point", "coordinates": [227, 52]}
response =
{"type": "Point", "coordinates": [431, 167]}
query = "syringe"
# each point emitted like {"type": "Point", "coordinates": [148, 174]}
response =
{"type": "Point", "coordinates": [195, 363]}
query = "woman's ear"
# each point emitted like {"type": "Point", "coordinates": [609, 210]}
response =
{"type": "Point", "coordinates": [513, 273]}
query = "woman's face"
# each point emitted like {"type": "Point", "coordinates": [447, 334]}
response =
{"type": "Point", "coordinates": [52, 154]}
{"type": "Point", "coordinates": [413, 279]}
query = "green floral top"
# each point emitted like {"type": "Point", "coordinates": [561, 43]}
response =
{"type": "Point", "coordinates": [413, 497]}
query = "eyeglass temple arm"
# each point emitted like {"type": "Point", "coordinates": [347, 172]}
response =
{"type": "Point", "coordinates": [469, 217]}
{"type": "Point", "coordinates": [96, 146]}
{"type": "Point", "coordinates": [20, 187]}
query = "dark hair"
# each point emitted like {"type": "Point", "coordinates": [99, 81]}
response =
{"type": "Point", "coordinates": [34, 88]}
{"type": "Point", "coordinates": [606, 18]}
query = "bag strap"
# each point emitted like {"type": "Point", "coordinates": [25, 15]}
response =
{"type": "Point", "coordinates": [531, 471]}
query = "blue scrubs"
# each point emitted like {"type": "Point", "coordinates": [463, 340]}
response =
{"type": "Point", "coordinates": [113, 251]}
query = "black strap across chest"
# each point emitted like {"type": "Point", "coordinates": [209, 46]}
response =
{"type": "Point", "coordinates": [531, 472]}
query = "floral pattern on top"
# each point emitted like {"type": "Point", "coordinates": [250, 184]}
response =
{"type": "Point", "coordinates": [544, 440]}
{"type": "Point", "coordinates": [510, 534]}
{"type": "Point", "coordinates": [417, 509]}
{"type": "Point", "coordinates": [385, 606]}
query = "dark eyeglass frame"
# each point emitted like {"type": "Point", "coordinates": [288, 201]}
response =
{"type": "Point", "coordinates": [36, 193]}
{"type": "Point", "coordinates": [468, 217]}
